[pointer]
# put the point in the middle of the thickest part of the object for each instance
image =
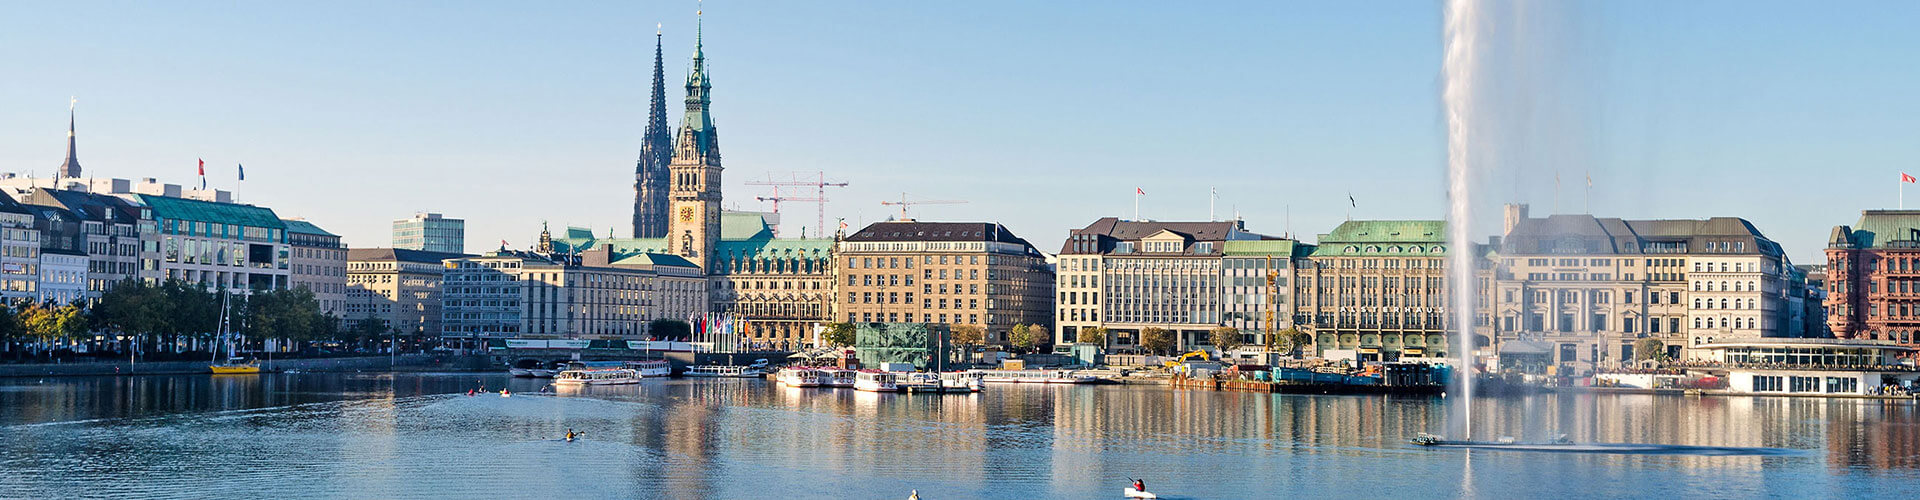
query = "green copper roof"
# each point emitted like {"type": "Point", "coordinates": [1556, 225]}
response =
{"type": "Point", "coordinates": [1877, 228]}
{"type": "Point", "coordinates": [742, 235]}
{"type": "Point", "coordinates": [654, 259]}
{"type": "Point", "coordinates": [304, 227]}
{"type": "Point", "coordinates": [1398, 238]}
{"type": "Point", "coordinates": [165, 207]}
{"type": "Point", "coordinates": [743, 226]}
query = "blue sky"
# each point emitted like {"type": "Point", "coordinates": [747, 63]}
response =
{"type": "Point", "coordinates": [1044, 116]}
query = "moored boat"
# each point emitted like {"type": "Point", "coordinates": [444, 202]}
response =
{"type": "Point", "coordinates": [597, 376]}
{"type": "Point", "coordinates": [960, 382]}
{"type": "Point", "coordinates": [519, 372]}
{"type": "Point", "coordinates": [837, 377]}
{"type": "Point", "coordinates": [876, 381]}
{"type": "Point", "coordinates": [799, 376]}
{"type": "Point", "coordinates": [1034, 377]}
{"type": "Point", "coordinates": [651, 368]}
{"type": "Point", "coordinates": [756, 370]}
{"type": "Point", "coordinates": [918, 383]}
{"type": "Point", "coordinates": [235, 367]}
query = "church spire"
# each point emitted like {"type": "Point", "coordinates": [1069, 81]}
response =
{"type": "Point", "coordinates": [650, 204]}
{"type": "Point", "coordinates": [71, 167]}
{"type": "Point", "coordinates": [697, 124]}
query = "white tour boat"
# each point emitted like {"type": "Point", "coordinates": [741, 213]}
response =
{"type": "Point", "coordinates": [876, 381]}
{"type": "Point", "coordinates": [756, 370]}
{"type": "Point", "coordinates": [1034, 377]}
{"type": "Point", "coordinates": [800, 376]}
{"type": "Point", "coordinates": [960, 382]}
{"type": "Point", "coordinates": [651, 368]}
{"type": "Point", "coordinates": [597, 376]}
{"type": "Point", "coordinates": [837, 377]}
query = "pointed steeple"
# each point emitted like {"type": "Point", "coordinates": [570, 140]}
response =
{"type": "Point", "coordinates": [650, 204]}
{"type": "Point", "coordinates": [696, 124]}
{"type": "Point", "coordinates": [71, 167]}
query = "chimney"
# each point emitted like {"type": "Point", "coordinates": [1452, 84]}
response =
{"type": "Point", "coordinates": [1515, 212]}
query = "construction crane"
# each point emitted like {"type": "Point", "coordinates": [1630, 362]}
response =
{"type": "Point", "coordinates": [904, 204]}
{"type": "Point", "coordinates": [819, 184]}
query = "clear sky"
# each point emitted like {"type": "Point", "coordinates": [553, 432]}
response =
{"type": "Point", "coordinates": [1044, 115]}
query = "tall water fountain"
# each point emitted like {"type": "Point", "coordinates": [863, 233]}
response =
{"type": "Point", "coordinates": [1460, 66]}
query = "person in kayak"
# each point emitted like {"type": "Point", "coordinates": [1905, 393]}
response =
{"type": "Point", "coordinates": [1139, 485]}
{"type": "Point", "coordinates": [570, 435]}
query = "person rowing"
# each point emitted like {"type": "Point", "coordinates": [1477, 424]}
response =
{"type": "Point", "coordinates": [571, 435]}
{"type": "Point", "coordinates": [1138, 490]}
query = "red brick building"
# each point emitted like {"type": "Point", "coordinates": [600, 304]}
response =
{"type": "Point", "coordinates": [1873, 277]}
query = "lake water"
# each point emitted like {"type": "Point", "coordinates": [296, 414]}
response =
{"type": "Point", "coordinates": [420, 436]}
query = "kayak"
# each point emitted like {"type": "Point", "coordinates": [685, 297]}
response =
{"type": "Point", "coordinates": [1133, 493]}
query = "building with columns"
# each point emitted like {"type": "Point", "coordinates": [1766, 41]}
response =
{"type": "Point", "coordinates": [1186, 277]}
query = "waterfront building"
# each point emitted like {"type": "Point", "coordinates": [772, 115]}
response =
{"type": "Point", "coordinates": [651, 203]}
{"type": "Point", "coordinates": [19, 251]}
{"type": "Point", "coordinates": [63, 276]}
{"type": "Point", "coordinates": [220, 245]}
{"type": "Point", "coordinates": [506, 293]}
{"type": "Point", "coordinates": [318, 262]}
{"type": "Point", "coordinates": [398, 287]}
{"type": "Point", "coordinates": [118, 235]}
{"type": "Point", "coordinates": [1873, 278]}
{"type": "Point", "coordinates": [781, 288]}
{"type": "Point", "coordinates": [1785, 366]}
{"type": "Point", "coordinates": [1128, 276]}
{"type": "Point", "coordinates": [430, 232]}
{"type": "Point", "coordinates": [1587, 288]}
{"type": "Point", "coordinates": [1377, 290]}
{"type": "Point", "coordinates": [951, 273]}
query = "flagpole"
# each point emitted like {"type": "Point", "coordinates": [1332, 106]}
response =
{"type": "Point", "coordinates": [1136, 204]}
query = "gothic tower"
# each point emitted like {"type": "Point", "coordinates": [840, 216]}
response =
{"type": "Point", "coordinates": [695, 171]}
{"type": "Point", "coordinates": [650, 200]}
{"type": "Point", "coordinates": [71, 168]}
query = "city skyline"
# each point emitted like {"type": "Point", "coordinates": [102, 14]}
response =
{"type": "Point", "coordinates": [1001, 112]}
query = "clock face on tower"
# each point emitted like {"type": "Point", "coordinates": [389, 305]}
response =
{"type": "Point", "coordinates": [686, 214]}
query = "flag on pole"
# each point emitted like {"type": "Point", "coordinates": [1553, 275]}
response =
{"type": "Point", "coordinates": [1139, 191]}
{"type": "Point", "coordinates": [243, 170]}
{"type": "Point", "coordinates": [1906, 178]}
{"type": "Point", "coordinates": [203, 173]}
{"type": "Point", "coordinates": [1351, 201]}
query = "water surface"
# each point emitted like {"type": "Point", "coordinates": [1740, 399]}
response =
{"type": "Point", "coordinates": [420, 436]}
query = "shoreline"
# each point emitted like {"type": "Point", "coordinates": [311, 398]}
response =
{"type": "Point", "coordinates": [405, 363]}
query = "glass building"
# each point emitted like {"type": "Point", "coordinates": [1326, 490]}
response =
{"type": "Point", "coordinates": [430, 232]}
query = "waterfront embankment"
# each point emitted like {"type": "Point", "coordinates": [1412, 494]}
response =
{"type": "Point", "coordinates": [409, 362]}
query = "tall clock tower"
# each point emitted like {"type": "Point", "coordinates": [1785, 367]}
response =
{"type": "Point", "coordinates": [695, 172]}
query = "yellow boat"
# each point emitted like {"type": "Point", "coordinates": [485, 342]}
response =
{"type": "Point", "coordinates": [235, 368]}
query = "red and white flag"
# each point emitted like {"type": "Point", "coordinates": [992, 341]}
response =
{"type": "Point", "coordinates": [1139, 191]}
{"type": "Point", "coordinates": [1906, 178]}
{"type": "Point", "coordinates": [203, 168]}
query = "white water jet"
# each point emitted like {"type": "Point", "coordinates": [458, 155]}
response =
{"type": "Point", "coordinates": [1460, 66]}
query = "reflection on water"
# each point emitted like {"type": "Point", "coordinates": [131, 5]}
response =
{"type": "Point", "coordinates": [377, 435]}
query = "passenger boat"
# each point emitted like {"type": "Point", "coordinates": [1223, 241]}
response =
{"type": "Point", "coordinates": [597, 376]}
{"type": "Point", "coordinates": [836, 377]}
{"type": "Point", "coordinates": [756, 370]}
{"type": "Point", "coordinates": [1034, 377]}
{"type": "Point", "coordinates": [876, 381]}
{"type": "Point", "coordinates": [918, 383]}
{"type": "Point", "coordinates": [800, 376]}
{"type": "Point", "coordinates": [960, 382]}
{"type": "Point", "coordinates": [651, 368]}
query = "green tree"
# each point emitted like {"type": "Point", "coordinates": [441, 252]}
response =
{"type": "Point", "coordinates": [838, 334]}
{"type": "Point", "coordinates": [969, 335]}
{"type": "Point", "coordinates": [1092, 335]}
{"type": "Point", "coordinates": [1224, 338]}
{"type": "Point", "coordinates": [1649, 348]}
{"type": "Point", "coordinates": [1156, 340]}
{"type": "Point", "coordinates": [1026, 337]}
{"type": "Point", "coordinates": [667, 329]}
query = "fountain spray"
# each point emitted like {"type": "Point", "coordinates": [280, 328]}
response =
{"type": "Point", "coordinates": [1460, 66]}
